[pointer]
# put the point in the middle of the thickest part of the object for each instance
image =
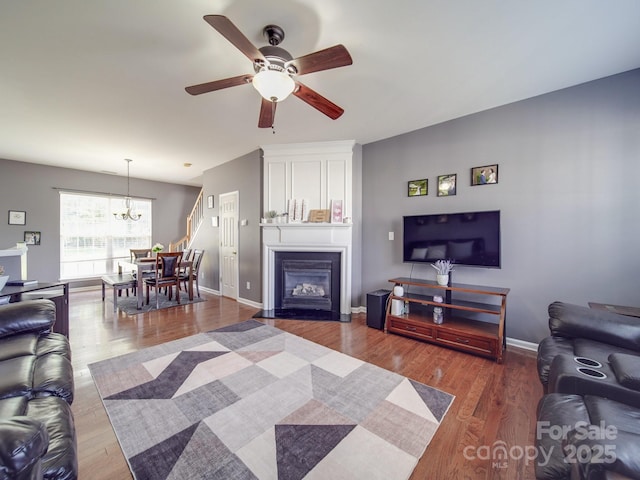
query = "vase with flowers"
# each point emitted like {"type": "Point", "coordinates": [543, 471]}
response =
{"type": "Point", "coordinates": [443, 268]}
{"type": "Point", "coordinates": [157, 248]}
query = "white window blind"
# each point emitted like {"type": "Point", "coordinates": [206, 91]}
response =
{"type": "Point", "coordinates": [92, 240]}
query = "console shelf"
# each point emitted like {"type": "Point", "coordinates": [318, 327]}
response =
{"type": "Point", "coordinates": [474, 327]}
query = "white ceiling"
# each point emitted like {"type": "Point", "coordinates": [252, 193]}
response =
{"type": "Point", "coordinates": [86, 84]}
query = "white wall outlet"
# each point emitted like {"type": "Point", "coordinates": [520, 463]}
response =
{"type": "Point", "coordinates": [248, 285]}
{"type": "Point", "coordinates": [392, 235]}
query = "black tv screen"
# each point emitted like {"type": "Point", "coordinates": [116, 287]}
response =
{"type": "Point", "coordinates": [470, 238]}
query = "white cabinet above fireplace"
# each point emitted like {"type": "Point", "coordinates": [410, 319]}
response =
{"type": "Point", "coordinates": [317, 172]}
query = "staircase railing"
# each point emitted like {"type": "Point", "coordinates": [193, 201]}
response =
{"type": "Point", "coordinates": [194, 219]}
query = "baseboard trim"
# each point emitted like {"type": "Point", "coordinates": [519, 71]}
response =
{"type": "Point", "coordinates": [210, 290]}
{"type": "Point", "coordinates": [251, 303]}
{"type": "Point", "coordinates": [514, 342]}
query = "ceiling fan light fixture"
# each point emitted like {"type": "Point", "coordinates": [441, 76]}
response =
{"type": "Point", "coordinates": [273, 85]}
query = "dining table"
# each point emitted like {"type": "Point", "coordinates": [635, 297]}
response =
{"type": "Point", "coordinates": [140, 266]}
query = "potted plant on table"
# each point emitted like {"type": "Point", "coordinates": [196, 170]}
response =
{"type": "Point", "coordinates": [157, 248]}
{"type": "Point", "coordinates": [443, 268]}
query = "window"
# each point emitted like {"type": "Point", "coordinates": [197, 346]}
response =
{"type": "Point", "coordinates": [92, 240]}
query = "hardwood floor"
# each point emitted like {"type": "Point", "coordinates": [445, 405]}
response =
{"type": "Point", "coordinates": [494, 403]}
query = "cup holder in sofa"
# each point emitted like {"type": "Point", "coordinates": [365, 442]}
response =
{"type": "Point", "coordinates": [590, 372]}
{"type": "Point", "coordinates": [588, 362]}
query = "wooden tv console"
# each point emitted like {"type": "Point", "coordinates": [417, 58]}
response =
{"type": "Point", "coordinates": [469, 326]}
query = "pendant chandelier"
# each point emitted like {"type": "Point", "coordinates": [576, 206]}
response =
{"type": "Point", "coordinates": [128, 213]}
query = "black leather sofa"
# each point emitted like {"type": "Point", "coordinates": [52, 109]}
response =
{"type": "Point", "coordinates": [37, 434]}
{"type": "Point", "coordinates": [588, 421]}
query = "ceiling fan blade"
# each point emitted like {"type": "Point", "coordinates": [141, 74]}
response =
{"type": "Point", "coordinates": [267, 114]}
{"type": "Point", "coordinates": [332, 57]}
{"type": "Point", "coordinates": [219, 84]}
{"type": "Point", "coordinates": [317, 101]}
{"type": "Point", "coordinates": [229, 31]}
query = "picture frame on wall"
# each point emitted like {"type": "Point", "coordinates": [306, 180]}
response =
{"type": "Point", "coordinates": [17, 217]}
{"type": "Point", "coordinates": [484, 175]}
{"type": "Point", "coordinates": [210, 201]}
{"type": "Point", "coordinates": [418, 188]}
{"type": "Point", "coordinates": [32, 238]}
{"type": "Point", "coordinates": [447, 185]}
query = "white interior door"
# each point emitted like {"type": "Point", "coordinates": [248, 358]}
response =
{"type": "Point", "coordinates": [229, 244]}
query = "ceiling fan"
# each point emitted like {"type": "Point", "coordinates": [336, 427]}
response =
{"type": "Point", "coordinates": [276, 71]}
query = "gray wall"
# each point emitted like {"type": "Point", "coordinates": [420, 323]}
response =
{"type": "Point", "coordinates": [243, 175]}
{"type": "Point", "coordinates": [30, 187]}
{"type": "Point", "coordinates": [569, 165]}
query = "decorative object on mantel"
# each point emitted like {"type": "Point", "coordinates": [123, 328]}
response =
{"type": "Point", "coordinates": [443, 267]}
{"type": "Point", "coordinates": [297, 211]}
{"type": "Point", "coordinates": [447, 185]}
{"type": "Point", "coordinates": [319, 216]}
{"type": "Point", "coordinates": [271, 215]}
{"type": "Point", "coordinates": [336, 211]}
{"type": "Point", "coordinates": [128, 213]}
{"type": "Point", "coordinates": [17, 217]}
{"type": "Point", "coordinates": [485, 175]}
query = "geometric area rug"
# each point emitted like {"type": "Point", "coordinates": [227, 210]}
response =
{"type": "Point", "coordinates": [250, 401]}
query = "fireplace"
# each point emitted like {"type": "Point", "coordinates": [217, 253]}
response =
{"type": "Point", "coordinates": [307, 242]}
{"type": "Point", "coordinates": [307, 285]}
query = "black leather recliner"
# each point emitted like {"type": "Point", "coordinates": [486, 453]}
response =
{"type": "Point", "coordinates": [589, 420]}
{"type": "Point", "coordinates": [586, 332]}
{"type": "Point", "coordinates": [37, 434]}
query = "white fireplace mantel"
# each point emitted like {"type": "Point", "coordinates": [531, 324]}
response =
{"type": "Point", "coordinates": [306, 237]}
{"type": "Point", "coordinates": [318, 173]}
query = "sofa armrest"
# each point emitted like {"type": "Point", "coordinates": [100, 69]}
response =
{"type": "Point", "coordinates": [23, 442]}
{"type": "Point", "coordinates": [627, 369]}
{"type": "Point", "coordinates": [575, 321]}
{"type": "Point", "coordinates": [31, 316]}
{"type": "Point", "coordinates": [608, 455]}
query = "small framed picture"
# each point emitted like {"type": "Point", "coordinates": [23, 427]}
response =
{"type": "Point", "coordinates": [447, 185]}
{"type": "Point", "coordinates": [210, 201]}
{"type": "Point", "coordinates": [336, 211]}
{"type": "Point", "coordinates": [32, 238]}
{"type": "Point", "coordinates": [17, 218]}
{"type": "Point", "coordinates": [417, 188]}
{"type": "Point", "coordinates": [485, 175]}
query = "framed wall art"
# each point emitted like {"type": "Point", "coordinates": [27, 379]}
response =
{"type": "Point", "coordinates": [17, 217]}
{"type": "Point", "coordinates": [210, 201]}
{"type": "Point", "coordinates": [32, 238]}
{"type": "Point", "coordinates": [447, 185]}
{"type": "Point", "coordinates": [485, 175]}
{"type": "Point", "coordinates": [417, 188]}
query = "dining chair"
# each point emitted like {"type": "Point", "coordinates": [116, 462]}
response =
{"type": "Point", "coordinates": [167, 274]}
{"type": "Point", "coordinates": [139, 253]}
{"type": "Point", "coordinates": [186, 257]}
{"type": "Point", "coordinates": [194, 269]}
{"type": "Point", "coordinates": [136, 253]}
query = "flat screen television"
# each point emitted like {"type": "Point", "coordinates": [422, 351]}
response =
{"type": "Point", "coordinates": [469, 238]}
